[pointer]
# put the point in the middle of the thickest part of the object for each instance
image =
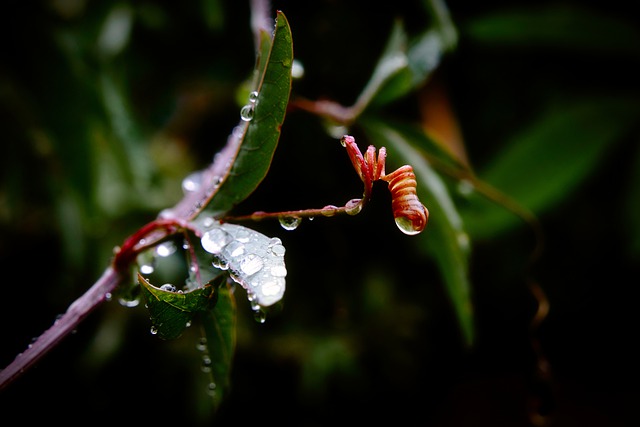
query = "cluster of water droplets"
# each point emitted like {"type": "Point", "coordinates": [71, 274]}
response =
{"type": "Point", "coordinates": [253, 260]}
{"type": "Point", "coordinates": [246, 112]}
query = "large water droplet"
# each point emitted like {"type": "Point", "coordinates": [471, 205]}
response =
{"type": "Point", "coordinates": [146, 269]}
{"type": "Point", "coordinates": [279, 271]}
{"type": "Point", "coordinates": [290, 222]}
{"type": "Point", "coordinates": [329, 210]}
{"type": "Point", "coordinates": [168, 287]}
{"type": "Point", "coordinates": [213, 241]}
{"type": "Point", "coordinates": [251, 264]}
{"type": "Point", "coordinates": [277, 249]}
{"type": "Point", "coordinates": [165, 249]}
{"type": "Point", "coordinates": [353, 206]}
{"type": "Point", "coordinates": [297, 69]}
{"type": "Point", "coordinates": [235, 249]}
{"type": "Point", "coordinates": [246, 113]}
{"type": "Point", "coordinates": [192, 182]}
{"type": "Point", "coordinates": [273, 287]}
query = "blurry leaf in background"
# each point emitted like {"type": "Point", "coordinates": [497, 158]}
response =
{"type": "Point", "coordinates": [550, 158]}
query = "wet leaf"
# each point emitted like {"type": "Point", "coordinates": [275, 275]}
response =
{"type": "Point", "coordinates": [172, 312]}
{"type": "Point", "coordinates": [546, 161]}
{"type": "Point", "coordinates": [244, 162]}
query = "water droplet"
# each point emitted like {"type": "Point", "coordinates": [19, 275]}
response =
{"type": "Point", "coordinates": [297, 69]}
{"type": "Point", "coordinates": [129, 302]}
{"type": "Point", "coordinates": [146, 262]}
{"type": "Point", "coordinates": [213, 241]}
{"type": "Point", "coordinates": [353, 206]}
{"type": "Point", "coordinates": [290, 222]}
{"type": "Point", "coordinates": [108, 296]}
{"type": "Point", "coordinates": [251, 264]}
{"type": "Point", "coordinates": [146, 269]}
{"type": "Point", "coordinates": [220, 263]}
{"type": "Point", "coordinates": [202, 344]}
{"type": "Point", "coordinates": [192, 182]}
{"type": "Point", "coordinates": [165, 249]}
{"type": "Point", "coordinates": [168, 287]}
{"type": "Point", "coordinates": [246, 113]}
{"type": "Point", "coordinates": [253, 97]}
{"type": "Point", "coordinates": [153, 330]}
{"type": "Point", "coordinates": [235, 249]}
{"type": "Point", "coordinates": [279, 271]}
{"type": "Point", "coordinates": [406, 226]}
{"type": "Point", "coordinates": [206, 364]}
{"type": "Point", "coordinates": [277, 249]}
{"type": "Point", "coordinates": [208, 222]}
{"type": "Point", "coordinates": [259, 315]}
{"type": "Point", "coordinates": [273, 287]}
{"type": "Point", "coordinates": [329, 210]}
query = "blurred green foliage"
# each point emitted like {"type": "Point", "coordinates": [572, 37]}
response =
{"type": "Point", "coordinates": [106, 106]}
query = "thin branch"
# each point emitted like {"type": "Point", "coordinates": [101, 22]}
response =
{"type": "Point", "coordinates": [63, 326]}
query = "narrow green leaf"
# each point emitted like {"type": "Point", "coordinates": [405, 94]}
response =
{"type": "Point", "coordinates": [406, 65]}
{"type": "Point", "coordinates": [544, 163]}
{"type": "Point", "coordinates": [444, 238]}
{"type": "Point", "coordinates": [219, 333]}
{"type": "Point", "coordinates": [172, 311]}
{"type": "Point", "coordinates": [244, 161]}
{"type": "Point", "coordinates": [262, 132]}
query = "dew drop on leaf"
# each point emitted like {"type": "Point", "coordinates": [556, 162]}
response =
{"type": "Point", "coordinates": [168, 287]}
{"type": "Point", "coordinates": [213, 241]}
{"type": "Point", "coordinates": [246, 113]}
{"type": "Point", "coordinates": [192, 182]}
{"type": "Point", "coordinates": [251, 264]}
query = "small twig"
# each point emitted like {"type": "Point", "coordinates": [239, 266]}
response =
{"type": "Point", "coordinates": [352, 207]}
{"type": "Point", "coordinates": [63, 326]}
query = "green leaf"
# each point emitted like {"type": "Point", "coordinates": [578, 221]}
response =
{"type": "Point", "coordinates": [261, 134]}
{"type": "Point", "coordinates": [405, 66]}
{"type": "Point", "coordinates": [171, 312]}
{"type": "Point", "coordinates": [545, 162]}
{"type": "Point", "coordinates": [219, 333]}
{"type": "Point", "coordinates": [244, 161]}
{"type": "Point", "coordinates": [444, 238]}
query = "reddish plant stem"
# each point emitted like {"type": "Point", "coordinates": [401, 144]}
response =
{"type": "Point", "coordinates": [147, 236]}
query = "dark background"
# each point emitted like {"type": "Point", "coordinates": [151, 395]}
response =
{"type": "Point", "coordinates": [366, 330]}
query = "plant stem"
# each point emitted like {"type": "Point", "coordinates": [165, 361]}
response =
{"type": "Point", "coordinates": [63, 326]}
